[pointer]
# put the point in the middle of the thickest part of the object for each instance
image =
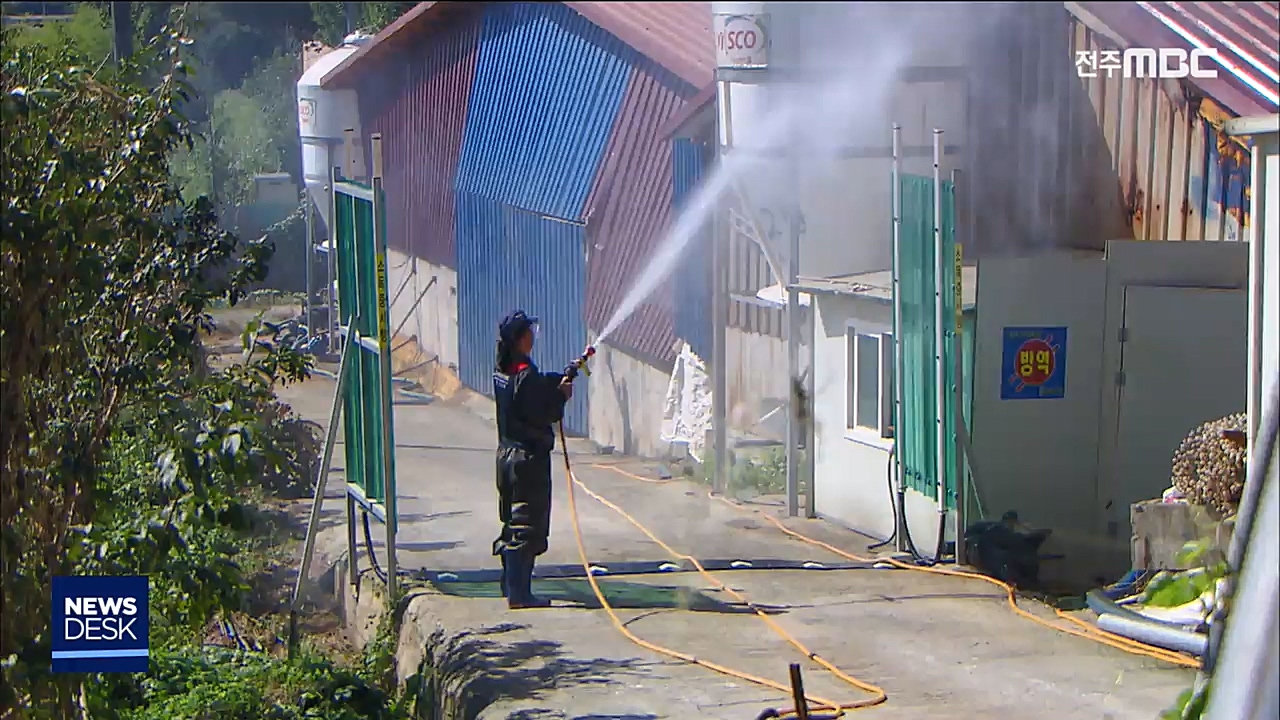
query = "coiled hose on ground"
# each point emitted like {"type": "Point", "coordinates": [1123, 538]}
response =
{"type": "Point", "coordinates": [819, 707]}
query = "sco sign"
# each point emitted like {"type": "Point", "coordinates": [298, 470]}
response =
{"type": "Point", "coordinates": [742, 41]}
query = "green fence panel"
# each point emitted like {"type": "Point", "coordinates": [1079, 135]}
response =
{"type": "Point", "coordinates": [917, 428]}
{"type": "Point", "coordinates": [362, 300]}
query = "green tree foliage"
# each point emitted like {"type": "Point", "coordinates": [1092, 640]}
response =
{"type": "Point", "coordinates": [331, 18]}
{"type": "Point", "coordinates": [87, 33]}
{"type": "Point", "coordinates": [123, 450]}
{"type": "Point", "coordinates": [108, 275]}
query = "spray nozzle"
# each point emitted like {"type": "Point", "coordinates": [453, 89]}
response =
{"type": "Point", "coordinates": [579, 365]}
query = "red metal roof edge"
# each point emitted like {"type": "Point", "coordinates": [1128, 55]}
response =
{"type": "Point", "coordinates": [1128, 20]}
{"type": "Point", "coordinates": [422, 15]}
{"type": "Point", "coordinates": [648, 44]}
{"type": "Point", "coordinates": [685, 116]}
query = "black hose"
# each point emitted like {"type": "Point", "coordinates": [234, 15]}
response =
{"type": "Point", "coordinates": [917, 556]}
{"type": "Point", "coordinates": [368, 544]}
{"type": "Point", "coordinates": [893, 505]}
{"type": "Point", "coordinates": [898, 507]}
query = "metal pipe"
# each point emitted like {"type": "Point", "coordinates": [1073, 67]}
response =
{"type": "Point", "coordinates": [793, 341]}
{"type": "Point", "coordinates": [353, 558]}
{"type": "Point", "coordinates": [317, 498]}
{"type": "Point", "coordinates": [939, 332]}
{"type": "Point", "coordinates": [384, 356]}
{"type": "Point", "coordinates": [719, 352]}
{"type": "Point", "coordinates": [898, 473]}
{"type": "Point", "coordinates": [414, 306]}
{"type": "Point", "coordinates": [308, 258]}
{"type": "Point", "coordinates": [797, 693]}
{"type": "Point", "coordinates": [1257, 271]}
{"type": "Point", "coordinates": [810, 438]}
{"type": "Point", "coordinates": [957, 372]}
{"type": "Point", "coordinates": [1244, 676]}
{"type": "Point", "coordinates": [330, 291]}
{"type": "Point", "coordinates": [1262, 456]}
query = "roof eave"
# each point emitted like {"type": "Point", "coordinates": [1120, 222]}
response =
{"type": "Point", "coordinates": [1137, 29]}
{"type": "Point", "coordinates": [339, 75]}
{"type": "Point", "coordinates": [1253, 125]}
{"type": "Point", "coordinates": [694, 118]}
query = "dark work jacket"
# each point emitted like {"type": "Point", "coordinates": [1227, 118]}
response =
{"type": "Point", "coordinates": [529, 404]}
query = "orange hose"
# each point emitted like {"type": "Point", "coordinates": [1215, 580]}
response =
{"type": "Point", "coordinates": [1086, 630]}
{"type": "Point", "coordinates": [816, 704]}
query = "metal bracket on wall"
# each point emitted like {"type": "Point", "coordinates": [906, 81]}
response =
{"type": "Point", "coordinates": [1123, 335]}
{"type": "Point", "coordinates": [1120, 379]}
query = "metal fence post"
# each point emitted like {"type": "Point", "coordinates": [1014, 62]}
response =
{"type": "Point", "coordinates": [898, 364]}
{"type": "Point", "coordinates": [384, 356]}
{"type": "Point", "coordinates": [939, 338]}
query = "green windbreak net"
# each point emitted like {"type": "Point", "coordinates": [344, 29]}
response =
{"type": "Point", "coordinates": [918, 428]}
{"type": "Point", "coordinates": [362, 300]}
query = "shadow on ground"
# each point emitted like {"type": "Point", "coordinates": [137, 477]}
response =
{"type": "Point", "coordinates": [479, 668]}
{"type": "Point", "coordinates": [621, 595]}
{"type": "Point", "coordinates": [544, 714]}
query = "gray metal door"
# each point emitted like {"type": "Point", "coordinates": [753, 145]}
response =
{"type": "Point", "coordinates": [1183, 354]}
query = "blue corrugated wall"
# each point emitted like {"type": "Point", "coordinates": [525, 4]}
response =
{"type": "Point", "coordinates": [693, 278]}
{"type": "Point", "coordinates": [507, 259]}
{"type": "Point", "coordinates": [547, 89]}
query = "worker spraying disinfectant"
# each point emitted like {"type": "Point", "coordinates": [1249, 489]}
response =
{"type": "Point", "coordinates": [529, 404]}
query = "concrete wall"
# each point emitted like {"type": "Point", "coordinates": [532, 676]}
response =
{"type": "Point", "coordinates": [851, 468]}
{"type": "Point", "coordinates": [626, 403]}
{"type": "Point", "coordinates": [628, 394]}
{"type": "Point", "coordinates": [433, 320]}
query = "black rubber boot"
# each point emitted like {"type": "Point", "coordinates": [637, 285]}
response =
{"type": "Point", "coordinates": [520, 582]}
{"type": "Point", "coordinates": [502, 579]}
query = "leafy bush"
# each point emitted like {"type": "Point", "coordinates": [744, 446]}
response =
{"type": "Point", "coordinates": [123, 452]}
{"type": "Point", "coordinates": [194, 682]}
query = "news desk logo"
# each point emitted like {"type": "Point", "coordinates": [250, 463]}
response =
{"type": "Point", "coordinates": [100, 624]}
{"type": "Point", "coordinates": [1148, 63]}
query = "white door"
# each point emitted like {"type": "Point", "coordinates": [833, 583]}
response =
{"type": "Point", "coordinates": [1183, 363]}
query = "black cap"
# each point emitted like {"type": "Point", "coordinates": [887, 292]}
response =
{"type": "Point", "coordinates": [514, 325]}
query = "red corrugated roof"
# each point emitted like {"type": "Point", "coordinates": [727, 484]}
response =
{"type": "Point", "coordinates": [677, 36]}
{"type": "Point", "coordinates": [678, 123]}
{"type": "Point", "coordinates": [1245, 34]}
{"type": "Point", "coordinates": [629, 215]}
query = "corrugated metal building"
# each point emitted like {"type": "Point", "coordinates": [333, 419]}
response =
{"type": "Point", "coordinates": [521, 148]}
{"type": "Point", "coordinates": [1057, 159]}
{"type": "Point", "coordinates": [1066, 153]}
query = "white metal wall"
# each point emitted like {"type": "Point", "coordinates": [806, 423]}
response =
{"type": "Point", "coordinates": [1054, 461]}
{"type": "Point", "coordinates": [851, 471]}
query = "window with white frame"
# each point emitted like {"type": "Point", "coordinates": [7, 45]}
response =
{"type": "Point", "coordinates": [869, 384]}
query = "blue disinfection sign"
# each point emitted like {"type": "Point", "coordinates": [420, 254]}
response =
{"type": "Point", "coordinates": [1034, 365]}
{"type": "Point", "coordinates": [100, 624]}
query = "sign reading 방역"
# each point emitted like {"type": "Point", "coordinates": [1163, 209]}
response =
{"type": "Point", "coordinates": [1034, 365]}
{"type": "Point", "coordinates": [100, 624]}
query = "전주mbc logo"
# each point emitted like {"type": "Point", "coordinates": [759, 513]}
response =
{"type": "Point", "coordinates": [1148, 63]}
{"type": "Point", "coordinates": [100, 624]}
